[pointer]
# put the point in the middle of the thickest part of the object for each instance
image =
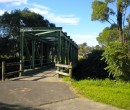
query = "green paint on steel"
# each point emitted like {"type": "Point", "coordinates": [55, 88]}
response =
{"type": "Point", "coordinates": [33, 54]}
{"type": "Point", "coordinates": [43, 45]}
{"type": "Point", "coordinates": [42, 33]}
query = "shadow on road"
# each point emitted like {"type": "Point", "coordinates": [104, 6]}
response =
{"type": "Point", "coordinates": [4, 106]}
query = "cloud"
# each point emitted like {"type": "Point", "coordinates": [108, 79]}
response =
{"type": "Point", "coordinates": [64, 19]}
{"type": "Point", "coordinates": [42, 12]}
{"type": "Point", "coordinates": [39, 6]}
{"type": "Point", "coordinates": [89, 39]}
{"type": "Point", "coordinates": [2, 12]}
{"type": "Point", "coordinates": [14, 2]}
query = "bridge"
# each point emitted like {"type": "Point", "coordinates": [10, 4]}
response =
{"type": "Point", "coordinates": [40, 46]}
{"type": "Point", "coordinates": [45, 46]}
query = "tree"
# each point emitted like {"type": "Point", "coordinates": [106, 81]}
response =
{"type": "Point", "coordinates": [102, 12]}
{"type": "Point", "coordinates": [84, 49]}
{"type": "Point", "coordinates": [108, 34]}
{"type": "Point", "coordinates": [115, 38]}
{"type": "Point", "coordinates": [32, 19]}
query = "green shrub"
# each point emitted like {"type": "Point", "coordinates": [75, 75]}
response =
{"type": "Point", "coordinates": [91, 67]}
{"type": "Point", "coordinates": [115, 54]}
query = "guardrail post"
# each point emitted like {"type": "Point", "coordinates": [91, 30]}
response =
{"type": "Point", "coordinates": [58, 69]}
{"type": "Point", "coordinates": [70, 70]}
{"type": "Point", "coordinates": [21, 68]}
{"type": "Point", "coordinates": [3, 70]}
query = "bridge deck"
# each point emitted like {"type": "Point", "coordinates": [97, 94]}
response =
{"type": "Point", "coordinates": [47, 75]}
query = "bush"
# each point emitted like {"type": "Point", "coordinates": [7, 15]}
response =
{"type": "Point", "coordinates": [91, 67]}
{"type": "Point", "coordinates": [115, 54]}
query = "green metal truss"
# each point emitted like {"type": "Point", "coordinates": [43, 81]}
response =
{"type": "Point", "coordinates": [41, 46]}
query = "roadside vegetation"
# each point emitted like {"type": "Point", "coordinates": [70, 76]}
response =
{"type": "Point", "coordinates": [111, 92]}
{"type": "Point", "coordinates": [92, 81]}
{"type": "Point", "coordinates": [91, 66]}
{"type": "Point", "coordinates": [114, 39]}
{"type": "Point", "coordinates": [103, 74]}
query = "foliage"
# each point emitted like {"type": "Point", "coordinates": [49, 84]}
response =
{"type": "Point", "coordinates": [100, 11]}
{"type": "Point", "coordinates": [112, 92]}
{"type": "Point", "coordinates": [32, 19]}
{"type": "Point", "coordinates": [108, 35]}
{"type": "Point", "coordinates": [83, 49]}
{"type": "Point", "coordinates": [91, 67]}
{"type": "Point", "coordinates": [7, 46]}
{"type": "Point", "coordinates": [128, 18]}
{"type": "Point", "coordinates": [116, 38]}
{"type": "Point", "coordinates": [8, 59]}
{"type": "Point", "coordinates": [116, 57]}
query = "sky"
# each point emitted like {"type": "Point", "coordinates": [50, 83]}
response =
{"type": "Point", "coordinates": [74, 16]}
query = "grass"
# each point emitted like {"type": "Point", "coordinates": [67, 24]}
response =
{"type": "Point", "coordinates": [116, 93]}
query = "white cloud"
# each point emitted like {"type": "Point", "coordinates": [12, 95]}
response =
{"type": "Point", "coordinates": [67, 20]}
{"type": "Point", "coordinates": [39, 6]}
{"type": "Point", "coordinates": [90, 39]}
{"type": "Point", "coordinates": [14, 2]}
{"type": "Point", "coordinates": [2, 12]}
{"type": "Point", "coordinates": [42, 12]}
{"type": "Point", "coordinates": [70, 19]}
{"type": "Point", "coordinates": [64, 19]}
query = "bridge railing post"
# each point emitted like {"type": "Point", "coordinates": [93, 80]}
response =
{"type": "Point", "coordinates": [70, 70]}
{"type": "Point", "coordinates": [21, 68]}
{"type": "Point", "coordinates": [58, 69]}
{"type": "Point", "coordinates": [3, 70]}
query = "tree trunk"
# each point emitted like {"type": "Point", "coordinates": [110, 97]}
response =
{"type": "Point", "coordinates": [119, 23]}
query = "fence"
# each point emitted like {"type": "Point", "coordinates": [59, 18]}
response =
{"type": "Point", "coordinates": [19, 69]}
{"type": "Point", "coordinates": [63, 69]}
{"type": "Point", "coordinates": [7, 65]}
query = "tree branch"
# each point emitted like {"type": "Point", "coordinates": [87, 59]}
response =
{"type": "Point", "coordinates": [108, 21]}
{"type": "Point", "coordinates": [112, 20]}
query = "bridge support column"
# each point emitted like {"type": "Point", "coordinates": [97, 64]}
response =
{"type": "Point", "coordinates": [68, 53]}
{"type": "Point", "coordinates": [63, 51]}
{"type": "Point", "coordinates": [66, 62]}
{"type": "Point", "coordinates": [21, 53]}
{"type": "Point", "coordinates": [33, 54]}
{"type": "Point", "coordinates": [41, 54]}
{"type": "Point", "coordinates": [59, 48]}
{"type": "Point", "coordinates": [70, 57]}
{"type": "Point", "coordinates": [48, 54]}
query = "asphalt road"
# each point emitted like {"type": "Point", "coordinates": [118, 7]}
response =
{"type": "Point", "coordinates": [43, 91]}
